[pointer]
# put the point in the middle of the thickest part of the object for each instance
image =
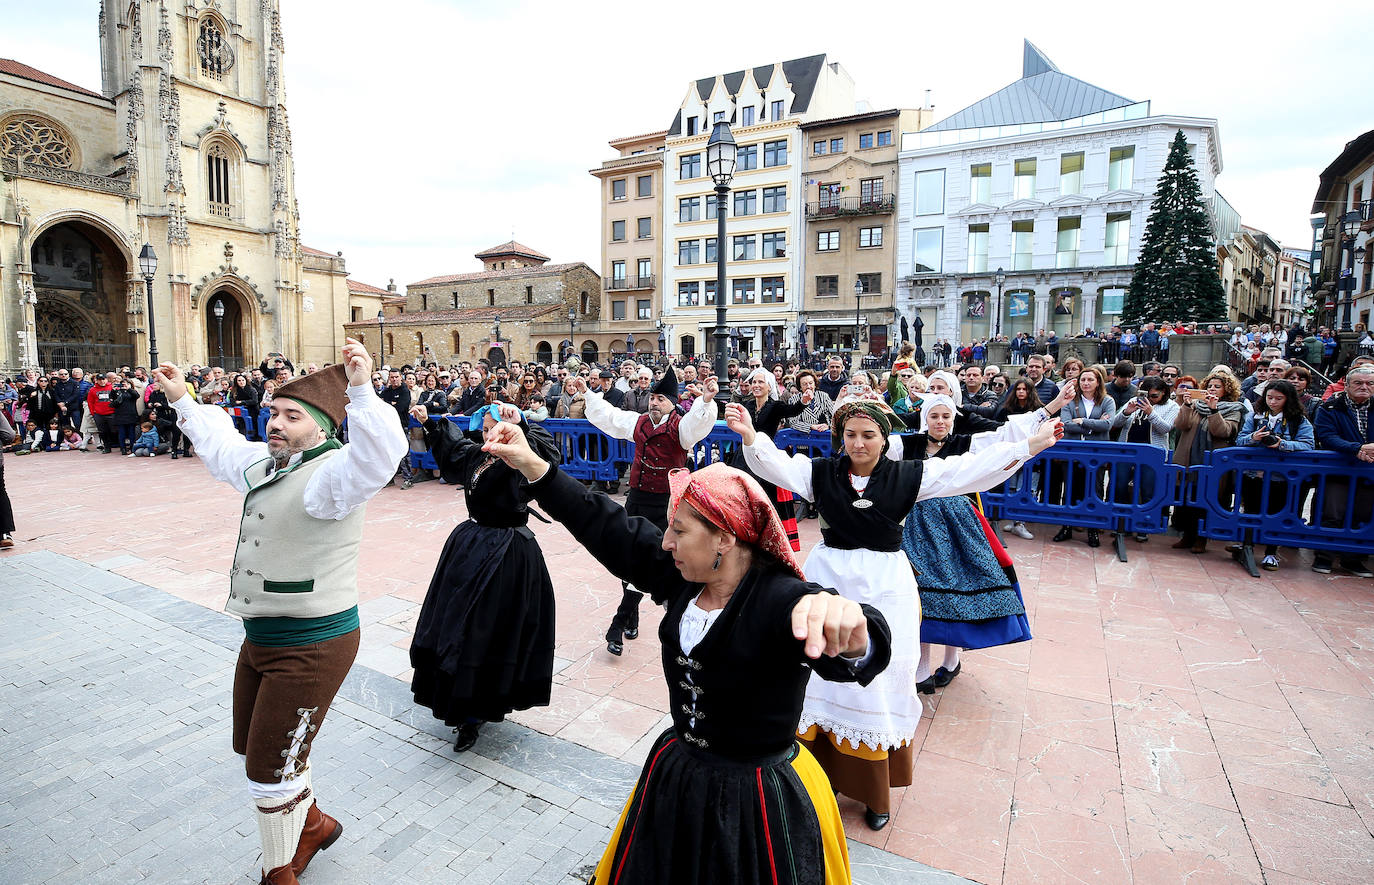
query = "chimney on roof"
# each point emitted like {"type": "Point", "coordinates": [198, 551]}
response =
{"type": "Point", "coordinates": [391, 285]}
{"type": "Point", "coordinates": [929, 106]}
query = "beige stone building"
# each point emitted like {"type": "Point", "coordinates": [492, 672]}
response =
{"type": "Point", "coordinates": [850, 180]}
{"type": "Point", "coordinates": [187, 149]}
{"type": "Point", "coordinates": [1248, 266]}
{"type": "Point", "coordinates": [516, 307]}
{"type": "Point", "coordinates": [632, 247]}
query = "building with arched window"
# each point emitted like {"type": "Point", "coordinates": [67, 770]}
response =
{"type": "Point", "coordinates": [186, 148]}
{"type": "Point", "coordinates": [515, 308]}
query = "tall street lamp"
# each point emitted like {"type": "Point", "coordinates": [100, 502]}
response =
{"type": "Point", "coordinates": [572, 318]}
{"type": "Point", "coordinates": [720, 165]}
{"type": "Point", "coordinates": [147, 262]}
{"type": "Point", "coordinates": [858, 294]}
{"type": "Point", "coordinates": [381, 338]}
{"type": "Point", "coordinates": [218, 310]}
{"type": "Point", "coordinates": [1001, 278]}
{"type": "Point", "coordinates": [1346, 276]}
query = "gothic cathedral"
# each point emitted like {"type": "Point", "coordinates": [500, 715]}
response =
{"type": "Point", "coordinates": [184, 155]}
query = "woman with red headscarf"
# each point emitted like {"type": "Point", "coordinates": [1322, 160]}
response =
{"type": "Point", "coordinates": [727, 794]}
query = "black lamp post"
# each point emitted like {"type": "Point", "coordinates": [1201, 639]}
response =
{"type": "Point", "coordinates": [572, 318]}
{"type": "Point", "coordinates": [720, 165]}
{"type": "Point", "coordinates": [1001, 278]}
{"type": "Point", "coordinates": [381, 337]}
{"type": "Point", "coordinates": [858, 294]}
{"type": "Point", "coordinates": [1346, 275]}
{"type": "Point", "coordinates": [218, 310]}
{"type": "Point", "coordinates": [147, 262]}
{"type": "Point", "coordinates": [662, 339]}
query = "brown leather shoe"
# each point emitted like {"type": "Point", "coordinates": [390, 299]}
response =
{"type": "Point", "coordinates": [321, 831]}
{"type": "Point", "coordinates": [282, 875]}
{"type": "Point", "coordinates": [1200, 546]}
{"type": "Point", "coordinates": [1182, 544]}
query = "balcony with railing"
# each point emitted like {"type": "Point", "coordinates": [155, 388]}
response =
{"type": "Point", "coordinates": [836, 207]}
{"type": "Point", "coordinates": [629, 284]}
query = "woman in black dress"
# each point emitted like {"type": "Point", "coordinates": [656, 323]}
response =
{"type": "Point", "coordinates": [726, 794]}
{"type": "Point", "coordinates": [484, 642]}
{"type": "Point", "coordinates": [768, 412]}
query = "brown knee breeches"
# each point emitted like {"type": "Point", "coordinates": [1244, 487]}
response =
{"type": "Point", "coordinates": [281, 696]}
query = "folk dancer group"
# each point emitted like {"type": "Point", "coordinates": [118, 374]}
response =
{"type": "Point", "coordinates": [739, 789]}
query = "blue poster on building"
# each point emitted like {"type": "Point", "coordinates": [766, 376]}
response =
{"type": "Point", "coordinates": [1018, 304]}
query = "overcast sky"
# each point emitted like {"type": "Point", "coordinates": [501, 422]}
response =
{"type": "Point", "coordinates": [427, 131]}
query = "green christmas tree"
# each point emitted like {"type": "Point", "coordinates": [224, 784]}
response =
{"type": "Point", "coordinates": [1176, 276]}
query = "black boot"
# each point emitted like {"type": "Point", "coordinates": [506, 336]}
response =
{"type": "Point", "coordinates": [1065, 534]}
{"type": "Point", "coordinates": [1093, 539]}
{"type": "Point", "coordinates": [625, 624]}
{"type": "Point", "coordinates": [467, 736]}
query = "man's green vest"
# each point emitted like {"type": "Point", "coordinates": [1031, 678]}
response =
{"type": "Point", "coordinates": [288, 563]}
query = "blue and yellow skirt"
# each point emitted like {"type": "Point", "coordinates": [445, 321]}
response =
{"type": "Point", "coordinates": [695, 817]}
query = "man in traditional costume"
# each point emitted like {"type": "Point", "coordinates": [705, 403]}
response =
{"type": "Point", "coordinates": [294, 581]}
{"type": "Point", "coordinates": [663, 438]}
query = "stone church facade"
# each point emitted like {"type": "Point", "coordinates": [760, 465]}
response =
{"type": "Point", "coordinates": [187, 149]}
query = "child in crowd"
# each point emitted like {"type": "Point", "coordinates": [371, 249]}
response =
{"type": "Point", "coordinates": [146, 445]}
{"type": "Point", "coordinates": [23, 445]}
{"type": "Point", "coordinates": [72, 440]}
{"type": "Point", "coordinates": [47, 440]}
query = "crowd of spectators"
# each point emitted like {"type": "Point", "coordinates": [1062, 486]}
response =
{"type": "Point", "coordinates": [1271, 396]}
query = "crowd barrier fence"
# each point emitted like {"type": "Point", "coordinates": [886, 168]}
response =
{"type": "Point", "coordinates": [1315, 500]}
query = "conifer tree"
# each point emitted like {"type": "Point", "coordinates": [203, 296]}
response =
{"type": "Point", "coordinates": [1176, 276]}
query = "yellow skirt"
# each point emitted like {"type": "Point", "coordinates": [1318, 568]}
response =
{"type": "Point", "coordinates": [692, 821]}
{"type": "Point", "coordinates": [865, 773]}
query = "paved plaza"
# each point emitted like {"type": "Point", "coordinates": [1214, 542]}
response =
{"type": "Point", "coordinates": [1173, 720]}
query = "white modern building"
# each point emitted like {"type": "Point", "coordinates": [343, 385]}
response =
{"type": "Point", "coordinates": [765, 107]}
{"type": "Point", "coordinates": [1049, 179]}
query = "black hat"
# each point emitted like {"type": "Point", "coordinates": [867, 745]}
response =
{"type": "Point", "coordinates": [667, 386]}
{"type": "Point", "coordinates": [606, 373]}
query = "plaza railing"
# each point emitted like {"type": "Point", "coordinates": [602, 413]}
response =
{"type": "Point", "coordinates": [1316, 500]}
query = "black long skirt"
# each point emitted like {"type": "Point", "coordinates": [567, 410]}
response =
{"type": "Point", "coordinates": [698, 819]}
{"type": "Point", "coordinates": [484, 642]}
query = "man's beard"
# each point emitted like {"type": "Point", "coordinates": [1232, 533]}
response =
{"type": "Point", "coordinates": [655, 415]}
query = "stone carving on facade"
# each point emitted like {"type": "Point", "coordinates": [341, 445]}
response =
{"type": "Point", "coordinates": [277, 40]}
{"type": "Point", "coordinates": [136, 33]}
{"type": "Point", "coordinates": [229, 274]}
{"type": "Point", "coordinates": [134, 113]}
{"type": "Point", "coordinates": [171, 117]}
{"type": "Point", "coordinates": [178, 231]}
{"type": "Point", "coordinates": [270, 84]}
{"type": "Point", "coordinates": [164, 35]}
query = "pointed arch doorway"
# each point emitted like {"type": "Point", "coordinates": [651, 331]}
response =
{"type": "Point", "coordinates": [224, 331]}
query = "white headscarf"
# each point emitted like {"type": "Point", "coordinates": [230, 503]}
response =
{"type": "Point", "coordinates": [766, 375]}
{"type": "Point", "coordinates": [930, 401]}
{"type": "Point", "coordinates": [956, 394]}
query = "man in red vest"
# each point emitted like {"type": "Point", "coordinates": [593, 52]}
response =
{"type": "Point", "coordinates": [663, 438]}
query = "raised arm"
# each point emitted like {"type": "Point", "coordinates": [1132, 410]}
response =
{"type": "Point", "coordinates": [613, 422]}
{"type": "Point", "coordinates": [630, 547]}
{"type": "Point", "coordinates": [376, 444]}
{"type": "Point", "coordinates": [697, 423]}
{"type": "Point", "coordinates": [220, 447]}
{"type": "Point", "coordinates": [978, 472]}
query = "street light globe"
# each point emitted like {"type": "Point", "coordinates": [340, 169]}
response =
{"type": "Point", "coordinates": [858, 287]}
{"type": "Point", "coordinates": [1001, 276]}
{"type": "Point", "coordinates": [218, 309]}
{"type": "Point", "coordinates": [147, 261]}
{"type": "Point", "coordinates": [720, 154]}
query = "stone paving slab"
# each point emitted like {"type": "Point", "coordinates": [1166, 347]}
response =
{"type": "Point", "coordinates": [1172, 719]}
{"type": "Point", "coordinates": [118, 766]}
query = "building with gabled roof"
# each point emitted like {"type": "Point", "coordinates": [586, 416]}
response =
{"type": "Point", "coordinates": [516, 307]}
{"type": "Point", "coordinates": [1050, 180]}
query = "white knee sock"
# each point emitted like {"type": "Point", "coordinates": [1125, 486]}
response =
{"type": "Point", "coordinates": [951, 657]}
{"type": "Point", "coordinates": [280, 821]}
{"type": "Point", "coordinates": [923, 665]}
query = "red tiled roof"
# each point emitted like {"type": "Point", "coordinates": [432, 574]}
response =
{"type": "Point", "coordinates": [510, 247]}
{"type": "Point", "coordinates": [467, 315]}
{"type": "Point", "coordinates": [23, 71]}
{"type": "Point", "coordinates": [306, 250]}
{"type": "Point", "coordinates": [498, 274]}
{"type": "Point", "coordinates": [365, 289]}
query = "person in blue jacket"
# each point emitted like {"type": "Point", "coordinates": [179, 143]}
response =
{"type": "Point", "coordinates": [1343, 425]}
{"type": "Point", "coordinates": [1280, 425]}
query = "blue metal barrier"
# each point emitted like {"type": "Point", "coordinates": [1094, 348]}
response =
{"type": "Point", "coordinates": [1119, 487]}
{"type": "Point", "coordinates": [815, 442]}
{"type": "Point", "coordinates": [587, 452]}
{"type": "Point", "coordinates": [717, 446]}
{"type": "Point", "coordinates": [1317, 500]}
{"type": "Point", "coordinates": [255, 431]}
{"type": "Point", "coordinates": [423, 460]}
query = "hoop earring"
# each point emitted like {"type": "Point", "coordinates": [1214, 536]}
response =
{"type": "Point", "coordinates": [715, 565]}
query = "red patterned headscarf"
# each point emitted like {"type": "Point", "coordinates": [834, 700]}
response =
{"type": "Point", "coordinates": [734, 502]}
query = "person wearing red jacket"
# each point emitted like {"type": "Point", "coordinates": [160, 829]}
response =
{"type": "Point", "coordinates": [100, 403]}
